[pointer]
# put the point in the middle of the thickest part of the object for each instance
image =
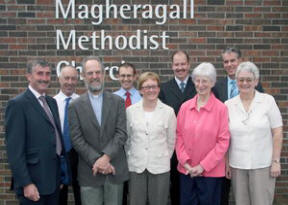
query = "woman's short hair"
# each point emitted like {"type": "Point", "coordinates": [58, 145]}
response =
{"type": "Point", "coordinates": [248, 67]}
{"type": "Point", "coordinates": [146, 76]}
{"type": "Point", "coordinates": [205, 69]}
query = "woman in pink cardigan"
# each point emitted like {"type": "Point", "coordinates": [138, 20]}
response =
{"type": "Point", "coordinates": [202, 141]}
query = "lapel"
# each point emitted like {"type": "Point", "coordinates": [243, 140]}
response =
{"type": "Point", "coordinates": [175, 89]}
{"type": "Point", "coordinates": [190, 90]}
{"type": "Point", "coordinates": [35, 103]}
{"type": "Point", "coordinates": [54, 111]}
{"type": "Point", "coordinates": [106, 107]}
{"type": "Point", "coordinates": [88, 110]}
{"type": "Point", "coordinates": [225, 88]}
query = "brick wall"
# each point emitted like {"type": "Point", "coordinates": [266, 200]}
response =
{"type": "Point", "coordinates": [258, 27]}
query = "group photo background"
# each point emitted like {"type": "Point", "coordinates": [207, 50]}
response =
{"type": "Point", "coordinates": [144, 33]}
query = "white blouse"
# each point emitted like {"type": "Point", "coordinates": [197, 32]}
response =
{"type": "Point", "coordinates": [251, 132]}
{"type": "Point", "coordinates": [151, 138]}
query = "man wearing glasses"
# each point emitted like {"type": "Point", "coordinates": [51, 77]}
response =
{"type": "Point", "coordinates": [127, 77]}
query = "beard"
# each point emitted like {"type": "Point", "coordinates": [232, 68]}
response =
{"type": "Point", "coordinates": [94, 88]}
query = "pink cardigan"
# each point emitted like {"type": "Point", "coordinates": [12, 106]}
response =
{"type": "Point", "coordinates": [203, 137]}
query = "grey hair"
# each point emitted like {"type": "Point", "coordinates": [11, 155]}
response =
{"type": "Point", "coordinates": [84, 61]}
{"type": "Point", "coordinates": [249, 67]}
{"type": "Point", "coordinates": [33, 63]}
{"type": "Point", "coordinates": [205, 69]}
{"type": "Point", "coordinates": [67, 66]}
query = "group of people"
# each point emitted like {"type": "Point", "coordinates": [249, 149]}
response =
{"type": "Point", "coordinates": [170, 143]}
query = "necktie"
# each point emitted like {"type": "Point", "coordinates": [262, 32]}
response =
{"type": "Point", "coordinates": [128, 99]}
{"type": "Point", "coordinates": [182, 86]}
{"type": "Point", "coordinates": [50, 116]}
{"type": "Point", "coordinates": [233, 91]}
{"type": "Point", "coordinates": [66, 134]}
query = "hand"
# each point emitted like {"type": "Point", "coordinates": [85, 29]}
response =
{"type": "Point", "coordinates": [275, 170]}
{"type": "Point", "coordinates": [101, 165]}
{"type": "Point", "coordinates": [197, 170]}
{"type": "Point", "coordinates": [228, 172]}
{"type": "Point", "coordinates": [31, 192]}
{"type": "Point", "coordinates": [188, 169]}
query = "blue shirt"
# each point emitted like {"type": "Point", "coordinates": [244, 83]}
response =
{"type": "Point", "coordinates": [96, 102]}
{"type": "Point", "coordinates": [134, 94]}
{"type": "Point", "coordinates": [229, 85]}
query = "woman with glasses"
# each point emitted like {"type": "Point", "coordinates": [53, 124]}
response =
{"type": "Point", "coordinates": [151, 127]}
{"type": "Point", "coordinates": [255, 125]}
{"type": "Point", "coordinates": [202, 141]}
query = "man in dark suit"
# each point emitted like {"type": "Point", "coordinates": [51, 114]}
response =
{"type": "Point", "coordinates": [33, 138]}
{"type": "Point", "coordinates": [173, 93]}
{"type": "Point", "coordinates": [225, 89]}
{"type": "Point", "coordinates": [97, 122]}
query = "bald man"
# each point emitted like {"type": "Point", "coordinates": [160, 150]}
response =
{"type": "Point", "coordinates": [68, 81]}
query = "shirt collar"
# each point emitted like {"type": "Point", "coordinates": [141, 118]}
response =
{"type": "Point", "coordinates": [208, 105]}
{"type": "Point", "coordinates": [179, 81]}
{"type": "Point", "coordinates": [132, 91]}
{"type": "Point", "coordinates": [230, 80]}
{"type": "Point", "coordinates": [63, 97]}
{"type": "Point", "coordinates": [36, 93]}
{"type": "Point", "coordinates": [95, 97]}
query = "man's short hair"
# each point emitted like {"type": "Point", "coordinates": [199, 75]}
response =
{"type": "Point", "coordinates": [33, 63]}
{"type": "Point", "coordinates": [233, 50]}
{"type": "Point", "coordinates": [179, 52]}
{"type": "Point", "coordinates": [127, 65]}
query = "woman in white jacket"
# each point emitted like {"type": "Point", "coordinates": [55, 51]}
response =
{"type": "Point", "coordinates": [151, 127]}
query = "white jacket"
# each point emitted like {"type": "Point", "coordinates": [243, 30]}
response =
{"type": "Point", "coordinates": [150, 145]}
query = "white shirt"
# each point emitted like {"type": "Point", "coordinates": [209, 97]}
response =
{"type": "Point", "coordinates": [180, 81]}
{"type": "Point", "coordinates": [151, 138]}
{"type": "Point", "coordinates": [251, 135]}
{"type": "Point", "coordinates": [36, 94]}
{"type": "Point", "coordinates": [60, 99]}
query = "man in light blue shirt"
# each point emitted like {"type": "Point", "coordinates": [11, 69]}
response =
{"type": "Point", "coordinates": [127, 77]}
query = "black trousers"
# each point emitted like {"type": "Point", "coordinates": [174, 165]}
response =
{"type": "Point", "coordinates": [200, 190]}
{"type": "Point", "coordinates": [174, 181]}
{"type": "Point", "coordinates": [225, 191]}
{"type": "Point", "coordinates": [63, 196]}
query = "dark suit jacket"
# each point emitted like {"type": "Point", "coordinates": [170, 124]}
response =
{"type": "Point", "coordinates": [171, 95]}
{"type": "Point", "coordinates": [31, 143]}
{"type": "Point", "coordinates": [91, 140]}
{"type": "Point", "coordinates": [221, 89]}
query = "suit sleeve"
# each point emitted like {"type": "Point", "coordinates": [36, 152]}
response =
{"type": "Point", "coordinates": [162, 95]}
{"type": "Point", "coordinates": [15, 124]}
{"type": "Point", "coordinates": [88, 153]}
{"type": "Point", "coordinates": [118, 141]}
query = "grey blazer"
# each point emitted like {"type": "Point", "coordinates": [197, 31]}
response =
{"type": "Point", "coordinates": [91, 140]}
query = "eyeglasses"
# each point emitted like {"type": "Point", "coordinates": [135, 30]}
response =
{"type": "Point", "coordinates": [126, 76]}
{"type": "Point", "coordinates": [149, 87]}
{"type": "Point", "coordinates": [248, 80]}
